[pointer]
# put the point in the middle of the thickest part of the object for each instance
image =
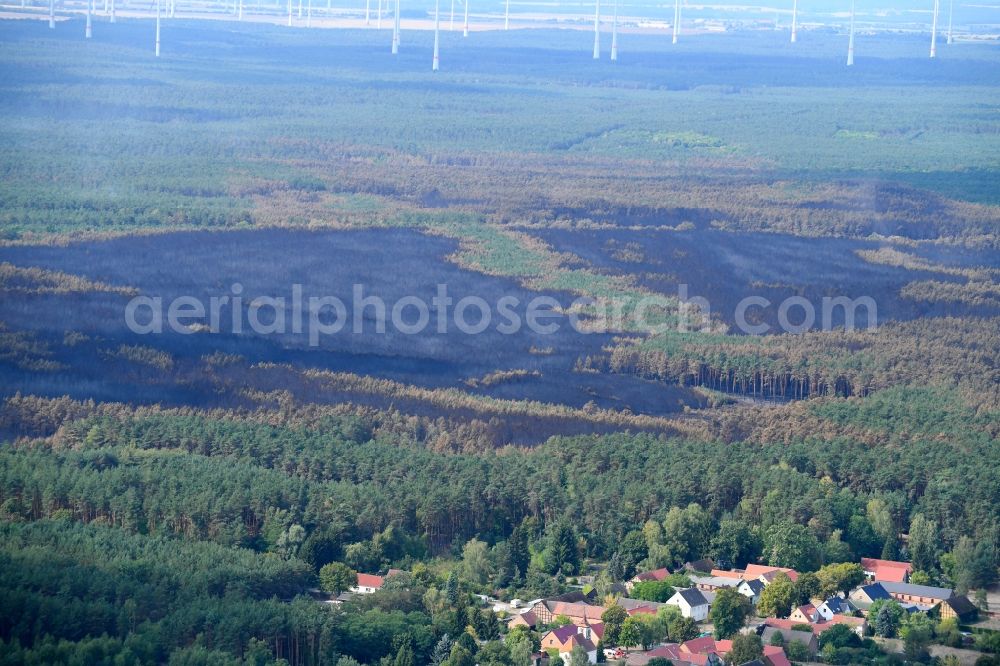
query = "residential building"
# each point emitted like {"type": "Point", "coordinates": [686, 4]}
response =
{"type": "Point", "coordinates": [805, 613]}
{"type": "Point", "coordinates": [960, 608]}
{"type": "Point", "coordinates": [692, 604]}
{"type": "Point", "coordinates": [886, 571]}
{"type": "Point", "coordinates": [864, 596]}
{"type": "Point", "coordinates": [751, 589]}
{"type": "Point", "coordinates": [368, 584]}
{"type": "Point", "coordinates": [563, 639]}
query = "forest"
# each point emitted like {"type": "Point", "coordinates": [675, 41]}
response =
{"type": "Point", "coordinates": [199, 498]}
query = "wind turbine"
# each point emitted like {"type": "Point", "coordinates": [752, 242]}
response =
{"type": "Point", "coordinates": [436, 62]}
{"type": "Point", "coordinates": [368, 11]}
{"type": "Point", "coordinates": [451, 24]}
{"type": "Point", "coordinates": [300, 8]}
{"type": "Point", "coordinates": [289, 13]}
{"type": "Point", "coordinates": [88, 31]}
{"type": "Point", "coordinates": [173, 8]}
{"type": "Point", "coordinates": [951, 9]}
{"type": "Point", "coordinates": [112, 11]}
{"type": "Point", "coordinates": [795, 17]}
{"type": "Point", "coordinates": [52, 14]}
{"type": "Point", "coordinates": [239, 17]}
{"type": "Point", "coordinates": [614, 34]}
{"type": "Point", "coordinates": [395, 31]}
{"type": "Point", "coordinates": [157, 28]}
{"type": "Point", "coordinates": [378, 17]}
{"type": "Point", "coordinates": [309, 14]}
{"type": "Point", "coordinates": [506, 15]}
{"type": "Point", "coordinates": [850, 42]}
{"type": "Point", "coordinates": [465, 28]}
{"type": "Point", "coordinates": [597, 30]}
{"type": "Point", "coordinates": [937, 4]}
{"type": "Point", "coordinates": [677, 20]}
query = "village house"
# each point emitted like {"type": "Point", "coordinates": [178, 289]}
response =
{"type": "Point", "coordinates": [368, 584]}
{"type": "Point", "coordinates": [580, 613]}
{"type": "Point", "coordinates": [563, 639]}
{"type": "Point", "coordinates": [857, 624]}
{"type": "Point", "coordinates": [924, 597]}
{"type": "Point", "coordinates": [886, 571]}
{"type": "Point", "coordinates": [692, 603]}
{"type": "Point", "coordinates": [645, 576]}
{"type": "Point", "coordinates": [751, 589]}
{"type": "Point", "coordinates": [960, 608]}
{"type": "Point", "coordinates": [864, 596]}
{"type": "Point", "coordinates": [835, 605]}
{"type": "Point", "coordinates": [761, 572]}
{"type": "Point", "coordinates": [805, 613]}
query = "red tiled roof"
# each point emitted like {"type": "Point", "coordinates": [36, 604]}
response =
{"type": "Point", "coordinates": [655, 574]}
{"type": "Point", "coordinates": [757, 570]}
{"type": "Point", "coordinates": [644, 610]}
{"type": "Point", "coordinates": [817, 628]}
{"type": "Point", "coordinates": [723, 573]}
{"type": "Point", "coordinates": [370, 580]}
{"type": "Point", "coordinates": [698, 645]}
{"type": "Point", "coordinates": [776, 656]}
{"type": "Point", "coordinates": [888, 571]}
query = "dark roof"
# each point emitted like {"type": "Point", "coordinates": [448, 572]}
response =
{"type": "Point", "coordinates": [876, 591]}
{"type": "Point", "coordinates": [838, 604]}
{"type": "Point", "coordinates": [961, 605]}
{"type": "Point", "coordinates": [755, 585]}
{"type": "Point", "coordinates": [705, 564]}
{"type": "Point", "coordinates": [693, 596]}
{"type": "Point", "coordinates": [918, 590]}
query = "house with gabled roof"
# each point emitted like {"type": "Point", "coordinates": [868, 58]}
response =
{"type": "Point", "coordinates": [835, 605]}
{"type": "Point", "coordinates": [562, 640]}
{"type": "Point", "coordinates": [805, 613]}
{"type": "Point", "coordinates": [368, 584]}
{"type": "Point", "coordinates": [960, 608]}
{"type": "Point", "coordinates": [864, 596]}
{"type": "Point", "coordinates": [751, 589]}
{"type": "Point", "coordinates": [886, 571]}
{"type": "Point", "coordinates": [691, 602]}
{"type": "Point", "coordinates": [579, 612]}
{"type": "Point", "coordinates": [646, 576]}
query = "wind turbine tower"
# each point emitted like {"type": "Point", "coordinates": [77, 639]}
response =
{"type": "Point", "coordinates": [378, 18]}
{"type": "Point", "coordinates": [937, 4]}
{"type": "Point", "coordinates": [465, 28]}
{"type": "Point", "coordinates": [112, 11]}
{"type": "Point", "coordinates": [289, 13]}
{"type": "Point", "coordinates": [614, 34]}
{"type": "Point", "coordinates": [597, 30]}
{"type": "Point", "coordinates": [677, 20]}
{"type": "Point", "coordinates": [239, 17]}
{"type": "Point", "coordinates": [395, 30]}
{"type": "Point", "coordinates": [89, 30]}
{"type": "Point", "coordinates": [309, 14]}
{"type": "Point", "coordinates": [506, 15]}
{"type": "Point", "coordinates": [52, 14]}
{"type": "Point", "coordinates": [157, 28]}
{"type": "Point", "coordinates": [451, 25]}
{"type": "Point", "coordinates": [795, 18]}
{"type": "Point", "coordinates": [436, 61]}
{"type": "Point", "coordinates": [951, 10]}
{"type": "Point", "coordinates": [850, 42]}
